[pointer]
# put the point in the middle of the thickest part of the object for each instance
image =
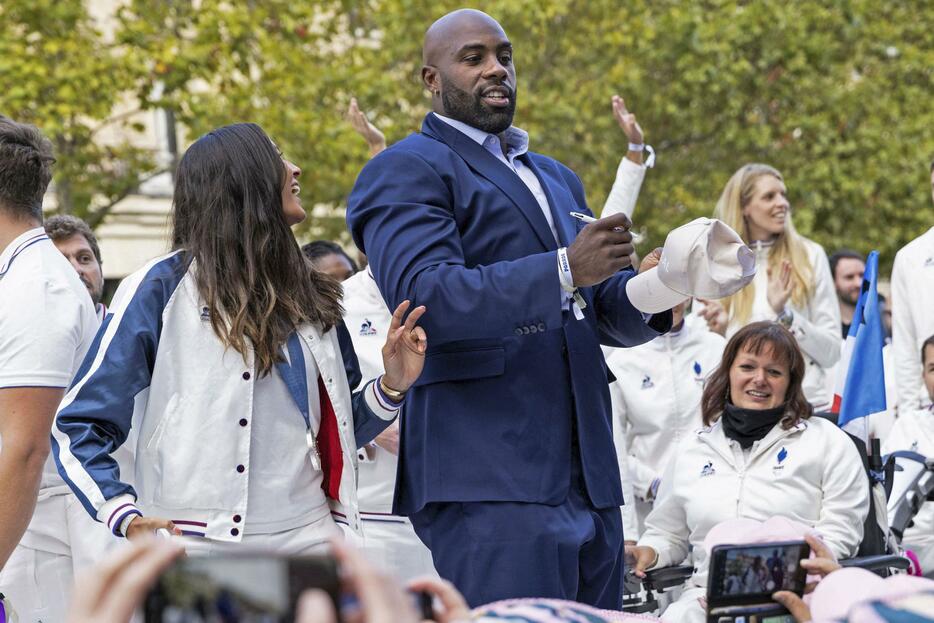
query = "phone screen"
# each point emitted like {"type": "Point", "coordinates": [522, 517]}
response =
{"type": "Point", "coordinates": [245, 588]}
{"type": "Point", "coordinates": [760, 569]}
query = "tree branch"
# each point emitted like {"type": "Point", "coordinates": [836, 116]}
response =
{"type": "Point", "coordinates": [95, 218]}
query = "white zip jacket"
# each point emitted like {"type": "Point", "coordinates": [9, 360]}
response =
{"type": "Point", "coordinates": [912, 317]}
{"type": "Point", "coordinates": [816, 326]}
{"type": "Point", "coordinates": [656, 396]}
{"type": "Point", "coordinates": [157, 363]}
{"type": "Point", "coordinates": [810, 473]}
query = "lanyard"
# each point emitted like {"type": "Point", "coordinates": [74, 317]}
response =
{"type": "Point", "coordinates": [296, 379]}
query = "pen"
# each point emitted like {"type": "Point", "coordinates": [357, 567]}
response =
{"type": "Point", "coordinates": [589, 219]}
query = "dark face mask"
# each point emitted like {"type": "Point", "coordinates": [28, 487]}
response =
{"type": "Point", "coordinates": [749, 425]}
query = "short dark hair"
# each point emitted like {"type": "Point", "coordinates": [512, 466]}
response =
{"type": "Point", "coordinates": [62, 226]}
{"type": "Point", "coordinates": [844, 254]}
{"type": "Point", "coordinates": [25, 168]}
{"type": "Point", "coordinates": [924, 347]}
{"type": "Point", "coordinates": [322, 248]}
{"type": "Point", "coordinates": [755, 337]}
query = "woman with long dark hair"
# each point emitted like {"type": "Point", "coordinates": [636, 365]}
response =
{"type": "Point", "coordinates": [759, 455]}
{"type": "Point", "coordinates": [229, 359]}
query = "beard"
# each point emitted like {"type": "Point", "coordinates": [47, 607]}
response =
{"type": "Point", "coordinates": [470, 109]}
{"type": "Point", "coordinates": [96, 292]}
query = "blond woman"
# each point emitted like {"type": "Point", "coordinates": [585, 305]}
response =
{"type": "Point", "coordinates": [793, 284]}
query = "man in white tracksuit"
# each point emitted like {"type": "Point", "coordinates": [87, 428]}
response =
{"type": "Point", "coordinates": [914, 431]}
{"type": "Point", "coordinates": [387, 539]}
{"type": "Point", "coordinates": [47, 324]}
{"type": "Point", "coordinates": [912, 317]}
{"type": "Point", "coordinates": [656, 402]}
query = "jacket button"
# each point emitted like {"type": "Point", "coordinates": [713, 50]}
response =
{"type": "Point", "coordinates": [243, 421]}
{"type": "Point", "coordinates": [246, 376]}
{"type": "Point", "coordinates": [541, 326]}
{"type": "Point", "coordinates": [525, 330]}
{"type": "Point", "coordinates": [518, 331]}
{"type": "Point", "coordinates": [241, 469]}
{"type": "Point", "coordinates": [533, 328]}
{"type": "Point", "coordinates": [237, 518]}
{"type": "Point", "coordinates": [234, 532]}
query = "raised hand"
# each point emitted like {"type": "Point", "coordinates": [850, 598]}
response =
{"type": "Point", "coordinates": [780, 287]}
{"type": "Point", "coordinates": [370, 133]}
{"type": "Point", "coordinates": [600, 250]}
{"type": "Point", "coordinates": [715, 315]}
{"type": "Point", "coordinates": [404, 350]}
{"type": "Point", "coordinates": [627, 121]}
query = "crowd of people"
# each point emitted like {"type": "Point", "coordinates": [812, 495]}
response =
{"type": "Point", "coordinates": [475, 395]}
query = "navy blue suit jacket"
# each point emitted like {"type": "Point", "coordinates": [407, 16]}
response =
{"type": "Point", "coordinates": [447, 225]}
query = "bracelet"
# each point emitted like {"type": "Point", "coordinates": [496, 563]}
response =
{"type": "Point", "coordinates": [786, 318]}
{"type": "Point", "coordinates": [393, 394]}
{"type": "Point", "coordinates": [636, 147]}
{"type": "Point", "coordinates": [564, 271]}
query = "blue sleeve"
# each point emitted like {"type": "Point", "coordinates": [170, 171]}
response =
{"type": "Point", "coordinates": [401, 214]}
{"type": "Point", "coordinates": [95, 416]}
{"type": "Point", "coordinates": [366, 423]}
{"type": "Point", "coordinates": [349, 355]}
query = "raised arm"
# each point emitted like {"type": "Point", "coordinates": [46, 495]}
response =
{"type": "Point", "coordinates": [631, 170]}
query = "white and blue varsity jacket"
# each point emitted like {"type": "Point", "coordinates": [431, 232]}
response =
{"type": "Point", "coordinates": [157, 364]}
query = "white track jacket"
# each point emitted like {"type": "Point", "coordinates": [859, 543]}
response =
{"type": "Point", "coordinates": [157, 363]}
{"type": "Point", "coordinates": [816, 326]}
{"type": "Point", "coordinates": [912, 317]}
{"type": "Point", "coordinates": [811, 473]}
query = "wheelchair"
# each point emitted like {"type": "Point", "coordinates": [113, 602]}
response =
{"type": "Point", "coordinates": [906, 480]}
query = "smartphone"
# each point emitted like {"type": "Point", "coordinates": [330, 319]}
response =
{"type": "Point", "coordinates": [239, 588]}
{"type": "Point", "coordinates": [744, 574]}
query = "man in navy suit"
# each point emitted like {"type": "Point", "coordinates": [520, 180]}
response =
{"type": "Point", "coordinates": [507, 466]}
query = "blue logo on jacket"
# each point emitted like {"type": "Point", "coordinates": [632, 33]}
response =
{"type": "Point", "coordinates": [647, 382]}
{"type": "Point", "coordinates": [708, 470]}
{"type": "Point", "coordinates": [367, 327]}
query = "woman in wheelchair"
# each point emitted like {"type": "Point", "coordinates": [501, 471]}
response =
{"type": "Point", "coordinates": [760, 454]}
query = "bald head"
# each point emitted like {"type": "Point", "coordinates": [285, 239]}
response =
{"type": "Point", "coordinates": [440, 36]}
{"type": "Point", "coordinates": [469, 70]}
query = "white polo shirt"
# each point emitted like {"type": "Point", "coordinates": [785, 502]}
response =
{"type": "Point", "coordinates": [47, 321]}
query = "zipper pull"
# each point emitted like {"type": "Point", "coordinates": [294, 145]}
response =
{"type": "Point", "coordinates": [313, 450]}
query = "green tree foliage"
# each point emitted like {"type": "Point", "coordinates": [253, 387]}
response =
{"type": "Point", "coordinates": [835, 94]}
{"type": "Point", "coordinates": [60, 73]}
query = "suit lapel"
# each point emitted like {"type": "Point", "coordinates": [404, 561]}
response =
{"type": "Point", "coordinates": [559, 201]}
{"type": "Point", "coordinates": [487, 165]}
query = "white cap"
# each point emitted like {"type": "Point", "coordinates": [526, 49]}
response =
{"type": "Point", "coordinates": [703, 259]}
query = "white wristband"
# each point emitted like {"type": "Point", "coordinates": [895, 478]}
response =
{"type": "Point", "coordinates": [636, 147]}
{"type": "Point", "coordinates": [564, 271]}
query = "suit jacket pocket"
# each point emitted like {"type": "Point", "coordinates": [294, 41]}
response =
{"type": "Point", "coordinates": [463, 361]}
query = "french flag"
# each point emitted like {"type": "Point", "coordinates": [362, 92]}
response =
{"type": "Point", "coordinates": [860, 389]}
